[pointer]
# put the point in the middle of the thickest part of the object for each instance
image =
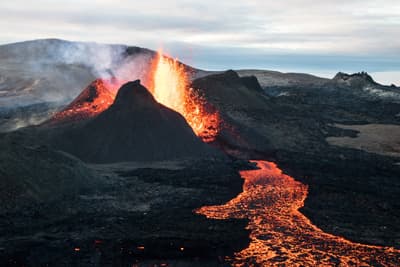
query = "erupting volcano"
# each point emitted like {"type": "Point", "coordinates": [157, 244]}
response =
{"type": "Point", "coordinates": [149, 123]}
{"type": "Point", "coordinates": [134, 127]}
{"type": "Point", "coordinates": [169, 83]}
{"type": "Point", "coordinates": [148, 163]}
{"type": "Point", "coordinates": [171, 87]}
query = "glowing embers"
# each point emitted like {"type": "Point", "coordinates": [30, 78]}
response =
{"type": "Point", "coordinates": [170, 87]}
{"type": "Point", "coordinates": [282, 236]}
{"type": "Point", "coordinates": [97, 97]}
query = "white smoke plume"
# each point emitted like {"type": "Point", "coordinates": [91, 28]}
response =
{"type": "Point", "coordinates": [103, 60]}
{"type": "Point", "coordinates": [56, 71]}
{"type": "Point", "coordinates": [60, 70]}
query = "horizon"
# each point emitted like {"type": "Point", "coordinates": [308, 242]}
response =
{"type": "Point", "coordinates": [383, 77]}
{"type": "Point", "coordinates": [294, 36]}
{"type": "Point", "coordinates": [199, 133]}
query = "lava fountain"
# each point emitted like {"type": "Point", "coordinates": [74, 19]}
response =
{"type": "Point", "coordinates": [282, 236]}
{"type": "Point", "coordinates": [171, 87]}
{"type": "Point", "coordinates": [168, 81]}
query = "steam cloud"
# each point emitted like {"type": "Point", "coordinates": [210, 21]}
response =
{"type": "Point", "coordinates": [57, 71]}
{"type": "Point", "coordinates": [104, 61]}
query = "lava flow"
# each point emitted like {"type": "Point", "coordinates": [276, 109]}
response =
{"type": "Point", "coordinates": [170, 87]}
{"type": "Point", "coordinates": [282, 236]}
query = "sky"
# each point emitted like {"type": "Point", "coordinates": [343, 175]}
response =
{"type": "Point", "coordinates": [319, 37]}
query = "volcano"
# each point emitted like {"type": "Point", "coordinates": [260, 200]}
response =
{"type": "Point", "coordinates": [323, 188]}
{"type": "Point", "coordinates": [95, 98]}
{"type": "Point", "coordinates": [134, 128]}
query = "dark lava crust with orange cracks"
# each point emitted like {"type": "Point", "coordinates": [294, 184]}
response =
{"type": "Point", "coordinates": [93, 100]}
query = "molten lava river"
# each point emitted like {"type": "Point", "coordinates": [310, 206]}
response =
{"type": "Point", "coordinates": [280, 235]}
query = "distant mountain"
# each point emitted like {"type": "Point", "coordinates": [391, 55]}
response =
{"type": "Point", "coordinates": [52, 70]}
{"type": "Point", "coordinates": [366, 86]}
{"type": "Point", "coordinates": [134, 128]}
{"type": "Point", "coordinates": [356, 79]}
{"type": "Point", "coordinates": [357, 85]}
{"type": "Point", "coordinates": [271, 79]}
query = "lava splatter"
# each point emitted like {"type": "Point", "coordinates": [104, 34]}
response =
{"type": "Point", "coordinates": [171, 87]}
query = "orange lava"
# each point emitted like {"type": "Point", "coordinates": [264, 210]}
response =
{"type": "Point", "coordinates": [169, 83]}
{"type": "Point", "coordinates": [281, 235]}
{"type": "Point", "coordinates": [96, 98]}
{"type": "Point", "coordinates": [170, 87]}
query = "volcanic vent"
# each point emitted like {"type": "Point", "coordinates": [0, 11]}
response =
{"type": "Point", "coordinates": [134, 128]}
{"type": "Point", "coordinates": [94, 99]}
{"type": "Point", "coordinates": [169, 83]}
{"type": "Point", "coordinates": [170, 86]}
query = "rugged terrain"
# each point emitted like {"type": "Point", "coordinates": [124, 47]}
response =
{"type": "Point", "coordinates": [133, 128]}
{"type": "Point", "coordinates": [62, 213]}
{"type": "Point", "coordinates": [292, 128]}
{"type": "Point", "coordinates": [57, 210]}
{"type": "Point", "coordinates": [338, 136]}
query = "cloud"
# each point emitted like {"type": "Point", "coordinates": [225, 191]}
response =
{"type": "Point", "coordinates": [302, 27]}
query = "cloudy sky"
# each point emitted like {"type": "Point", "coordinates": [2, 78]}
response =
{"type": "Point", "coordinates": [320, 37]}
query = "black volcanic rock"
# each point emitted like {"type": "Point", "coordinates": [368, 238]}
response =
{"type": "Point", "coordinates": [133, 96]}
{"type": "Point", "coordinates": [360, 75]}
{"type": "Point", "coordinates": [134, 128]}
{"type": "Point", "coordinates": [356, 80]}
{"type": "Point", "coordinates": [228, 89]}
{"type": "Point", "coordinates": [36, 176]}
{"type": "Point", "coordinates": [252, 83]}
{"type": "Point", "coordinates": [238, 102]}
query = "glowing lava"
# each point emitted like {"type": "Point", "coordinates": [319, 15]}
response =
{"type": "Point", "coordinates": [96, 98]}
{"type": "Point", "coordinates": [281, 235]}
{"type": "Point", "coordinates": [168, 81]}
{"type": "Point", "coordinates": [170, 87]}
